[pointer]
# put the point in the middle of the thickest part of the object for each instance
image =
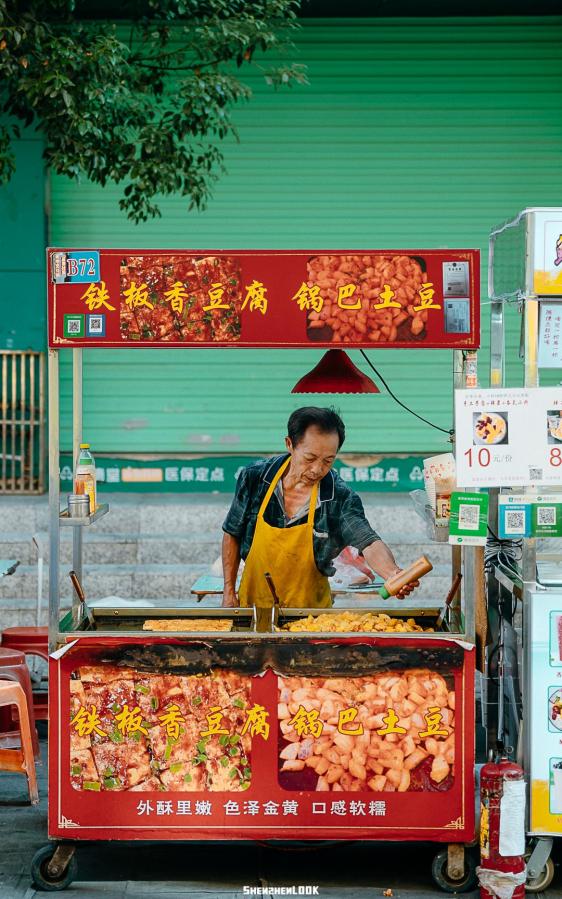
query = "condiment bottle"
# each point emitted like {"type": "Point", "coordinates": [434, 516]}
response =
{"type": "Point", "coordinates": [85, 479]}
{"type": "Point", "coordinates": [396, 581]}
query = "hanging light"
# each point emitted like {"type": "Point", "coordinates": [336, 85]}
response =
{"type": "Point", "coordinates": [335, 373]}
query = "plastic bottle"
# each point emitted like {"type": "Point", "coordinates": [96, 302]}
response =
{"type": "Point", "coordinates": [85, 479]}
{"type": "Point", "coordinates": [395, 583]}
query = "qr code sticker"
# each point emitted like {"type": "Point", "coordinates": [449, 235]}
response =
{"type": "Point", "coordinates": [73, 325]}
{"type": "Point", "coordinates": [469, 517]}
{"type": "Point", "coordinates": [514, 522]}
{"type": "Point", "coordinates": [535, 474]}
{"type": "Point", "coordinates": [546, 515]}
{"type": "Point", "coordinates": [95, 323]}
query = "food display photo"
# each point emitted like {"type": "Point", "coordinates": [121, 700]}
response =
{"type": "Point", "coordinates": [377, 299]}
{"type": "Point", "coordinates": [388, 732]}
{"type": "Point", "coordinates": [143, 732]}
{"type": "Point", "coordinates": [556, 639]}
{"type": "Point", "coordinates": [554, 426]}
{"type": "Point", "coordinates": [490, 428]}
{"type": "Point", "coordinates": [178, 298]}
{"type": "Point", "coordinates": [555, 709]}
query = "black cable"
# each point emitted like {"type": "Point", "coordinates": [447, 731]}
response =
{"type": "Point", "coordinates": [450, 431]}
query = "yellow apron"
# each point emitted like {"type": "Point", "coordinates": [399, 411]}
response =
{"type": "Point", "coordinates": [288, 555]}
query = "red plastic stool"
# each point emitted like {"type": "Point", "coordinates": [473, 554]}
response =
{"type": "Point", "coordinates": [33, 641]}
{"type": "Point", "coordinates": [13, 667]}
{"type": "Point", "coordinates": [20, 758]}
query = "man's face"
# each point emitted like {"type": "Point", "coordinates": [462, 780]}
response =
{"type": "Point", "coordinates": [314, 455]}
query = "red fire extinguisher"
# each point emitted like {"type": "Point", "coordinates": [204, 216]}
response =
{"type": "Point", "coordinates": [502, 824]}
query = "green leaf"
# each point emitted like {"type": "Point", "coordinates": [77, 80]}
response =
{"type": "Point", "coordinates": [93, 785]}
{"type": "Point", "coordinates": [105, 101]}
{"type": "Point", "coordinates": [111, 783]}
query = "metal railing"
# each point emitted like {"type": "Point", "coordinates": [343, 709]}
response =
{"type": "Point", "coordinates": [22, 422]}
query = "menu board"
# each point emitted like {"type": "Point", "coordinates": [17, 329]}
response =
{"type": "Point", "coordinates": [545, 702]}
{"type": "Point", "coordinates": [147, 747]}
{"type": "Point", "coordinates": [508, 437]}
{"type": "Point", "coordinates": [245, 298]}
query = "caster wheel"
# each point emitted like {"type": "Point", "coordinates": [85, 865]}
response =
{"type": "Point", "coordinates": [40, 875]}
{"type": "Point", "coordinates": [542, 881]}
{"type": "Point", "coordinates": [444, 882]}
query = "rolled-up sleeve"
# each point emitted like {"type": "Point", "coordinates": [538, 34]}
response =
{"type": "Point", "coordinates": [236, 520]}
{"type": "Point", "coordinates": [355, 529]}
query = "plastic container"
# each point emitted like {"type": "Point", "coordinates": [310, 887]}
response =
{"type": "Point", "coordinates": [85, 478]}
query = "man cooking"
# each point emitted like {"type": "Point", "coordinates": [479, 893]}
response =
{"type": "Point", "coordinates": [292, 515]}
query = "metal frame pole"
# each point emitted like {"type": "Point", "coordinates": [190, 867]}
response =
{"type": "Point", "coordinates": [54, 501]}
{"type": "Point", "coordinates": [76, 441]}
{"type": "Point", "coordinates": [529, 559]}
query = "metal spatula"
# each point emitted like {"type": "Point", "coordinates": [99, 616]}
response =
{"type": "Point", "coordinates": [82, 597]}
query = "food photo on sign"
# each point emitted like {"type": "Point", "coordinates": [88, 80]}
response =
{"type": "Point", "coordinates": [490, 428]}
{"type": "Point", "coordinates": [554, 426]}
{"type": "Point", "coordinates": [404, 740]}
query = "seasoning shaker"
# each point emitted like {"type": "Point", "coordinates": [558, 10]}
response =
{"type": "Point", "coordinates": [78, 505]}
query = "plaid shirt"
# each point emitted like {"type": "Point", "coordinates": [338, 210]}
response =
{"type": "Point", "coordinates": [339, 520]}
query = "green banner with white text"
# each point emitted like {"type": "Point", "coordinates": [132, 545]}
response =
{"type": "Point", "coordinates": [218, 474]}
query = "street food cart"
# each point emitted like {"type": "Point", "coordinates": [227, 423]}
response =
{"type": "Point", "coordinates": [525, 578]}
{"type": "Point", "coordinates": [188, 723]}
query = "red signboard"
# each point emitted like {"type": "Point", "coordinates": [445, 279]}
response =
{"type": "Point", "coordinates": [142, 751]}
{"type": "Point", "coordinates": [246, 298]}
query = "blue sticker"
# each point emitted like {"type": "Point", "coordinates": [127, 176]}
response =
{"type": "Point", "coordinates": [95, 325]}
{"type": "Point", "coordinates": [75, 267]}
{"type": "Point", "coordinates": [514, 520]}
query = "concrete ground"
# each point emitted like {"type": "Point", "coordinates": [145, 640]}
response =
{"type": "Point", "coordinates": [205, 871]}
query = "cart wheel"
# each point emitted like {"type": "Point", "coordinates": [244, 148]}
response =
{"type": "Point", "coordinates": [40, 874]}
{"type": "Point", "coordinates": [439, 873]}
{"type": "Point", "coordinates": [542, 881]}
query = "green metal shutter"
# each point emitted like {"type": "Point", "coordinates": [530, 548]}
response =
{"type": "Point", "coordinates": [412, 133]}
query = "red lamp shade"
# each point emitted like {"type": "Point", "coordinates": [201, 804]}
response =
{"type": "Point", "coordinates": [335, 373]}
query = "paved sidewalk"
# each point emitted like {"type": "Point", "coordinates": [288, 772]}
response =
{"type": "Point", "coordinates": [204, 871]}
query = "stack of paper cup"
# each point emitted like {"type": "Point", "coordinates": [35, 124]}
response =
{"type": "Point", "coordinates": [437, 468]}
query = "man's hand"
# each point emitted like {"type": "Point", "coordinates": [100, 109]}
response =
{"type": "Point", "coordinates": [229, 598]}
{"type": "Point", "coordinates": [405, 591]}
{"type": "Point", "coordinates": [381, 560]}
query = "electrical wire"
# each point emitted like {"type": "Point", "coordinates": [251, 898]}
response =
{"type": "Point", "coordinates": [449, 431]}
{"type": "Point", "coordinates": [505, 553]}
